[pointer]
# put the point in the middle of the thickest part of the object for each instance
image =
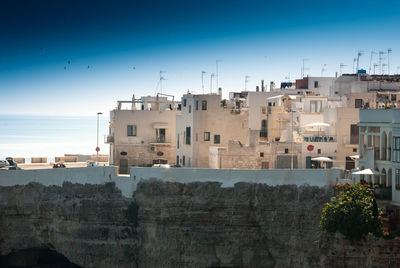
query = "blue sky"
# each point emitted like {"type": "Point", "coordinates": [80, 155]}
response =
{"type": "Point", "coordinates": [46, 47]}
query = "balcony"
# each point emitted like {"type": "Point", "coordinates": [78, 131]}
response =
{"type": "Point", "coordinates": [320, 138]}
{"type": "Point", "coordinates": [108, 139]}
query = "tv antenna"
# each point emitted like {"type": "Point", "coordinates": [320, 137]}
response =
{"type": "Point", "coordinates": [370, 61]}
{"type": "Point", "coordinates": [159, 84]}
{"type": "Point", "coordinates": [341, 67]}
{"type": "Point", "coordinates": [381, 53]}
{"type": "Point", "coordinates": [323, 69]}
{"type": "Point", "coordinates": [216, 67]}
{"type": "Point", "coordinates": [246, 80]}
{"type": "Point", "coordinates": [359, 54]}
{"type": "Point", "coordinates": [375, 65]}
{"type": "Point", "coordinates": [388, 64]}
{"type": "Point", "coordinates": [354, 63]}
{"type": "Point", "coordinates": [303, 68]}
{"type": "Point", "coordinates": [202, 80]}
{"type": "Point", "coordinates": [211, 78]}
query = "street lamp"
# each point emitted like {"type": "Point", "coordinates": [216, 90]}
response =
{"type": "Point", "coordinates": [97, 147]}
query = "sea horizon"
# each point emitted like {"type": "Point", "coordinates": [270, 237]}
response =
{"type": "Point", "coordinates": [51, 135]}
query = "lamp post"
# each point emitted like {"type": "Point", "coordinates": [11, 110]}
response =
{"type": "Point", "coordinates": [97, 147]}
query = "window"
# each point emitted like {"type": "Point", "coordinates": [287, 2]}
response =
{"type": "Point", "coordinates": [132, 130]}
{"type": "Point", "coordinates": [358, 103]}
{"type": "Point", "coordinates": [183, 160]}
{"type": "Point", "coordinates": [315, 106]}
{"type": "Point", "coordinates": [206, 136]}
{"type": "Point", "coordinates": [286, 150]}
{"type": "Point", "coordinates": [319, 151]}
{"type": "Point", "coordinates": [197, 137]}
{"type": "Point", "coordinates": [315, 84]}
{"type": "Point", "coordinates": [354, 150]}
{"type": "Point", "coordinates": [261, 154]}
{"type": "Point", "coordinates": [187, 135]}
{"type": "Point", "coordinates": [354, 134]}
{"type": "Point", "coordinates": [204, 105]}
{"type": "Point", "coordinates": [263, 110]}
{"type": "Point", "coordinates": [160, 134]}
{"type": "Point", "coordinates": [184, 102]}
{"type": "Point", "coordinates": [190, 108]}
{"type": "Point", "coordinates": [197, 105]}
{"type": "Point", "coordinates": [396, 149]}
{"type": "Point", "coordinates": [177, 159]}
{"type": "Point", "coordinates": [397, 179]}
{"type": "Point", "coordinates": [217, 139]}
{"type": "Point", "coordinates": [177, 142]}
{"type": "Point", "coordinates": [263, 131]}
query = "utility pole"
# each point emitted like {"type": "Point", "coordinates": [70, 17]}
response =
{"type": "Point", "coordinates": [161, 79]}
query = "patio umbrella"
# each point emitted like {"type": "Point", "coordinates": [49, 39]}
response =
{"type": "Point", "coordinates": [318, 125]}
{"type": "Point", "coordinates": [366, 171]}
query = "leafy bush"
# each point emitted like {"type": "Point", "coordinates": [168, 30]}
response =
{"type": "Point", "coordinates": [353, 212]}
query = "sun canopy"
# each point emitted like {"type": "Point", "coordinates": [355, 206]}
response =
{"type": "Point", "coordinates": [317, 124]}
{"type": "Point", "coordinates": [366, 171]}
{"type": "Point", "coordinates": [322, 159]}
{"type": "Point", "coordinates": [354, 156]}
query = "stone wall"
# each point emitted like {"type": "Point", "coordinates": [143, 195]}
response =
{"type": "Point", "coordinates": [176, 224]}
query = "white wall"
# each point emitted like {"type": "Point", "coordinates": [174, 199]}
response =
{"type": "Point", "coordinates": [127, 185]}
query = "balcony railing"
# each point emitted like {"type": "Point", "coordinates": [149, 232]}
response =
{"type": "Point", "coordinates": [319, 138]}
{"type": "Point", "coordinates": [108, 139]}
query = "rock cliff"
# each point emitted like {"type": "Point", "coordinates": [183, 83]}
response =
{"type": "Point", "coordinates": [182, 225]}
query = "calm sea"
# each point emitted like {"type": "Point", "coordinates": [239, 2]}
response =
{"type": "Point", "coordinates": [50, 136]}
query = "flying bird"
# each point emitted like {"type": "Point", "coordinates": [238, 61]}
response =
{"type": "Point", "coordinates": [69, 62]}
{"type": "Point", "coordinates": [88, 66]}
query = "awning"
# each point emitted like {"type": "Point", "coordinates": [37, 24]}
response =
{"type": "Point", "coordinates": [160, 125]}
{"type": "Point", "coordinates": [322, 159]}
{"type": "Point", "coordinates": [317, 124]}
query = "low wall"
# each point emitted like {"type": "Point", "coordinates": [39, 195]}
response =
{"type": "Point", "coordinates": [127, 185]}
{"type": "Point", "coordinates": [229, 177]}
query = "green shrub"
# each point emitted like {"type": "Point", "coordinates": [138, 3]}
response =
{"type": "Point", "coordinates": [352, 212]}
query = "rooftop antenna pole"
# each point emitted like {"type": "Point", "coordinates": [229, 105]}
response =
{"type": "Point", "coordinates": [202, 80]}
{"type": "Point", "coordinates": [359, 54]}
{"type": "Point", "coordinates": [246, 80]}
{"type": "Point", "coordinates": [303, 68]}
{"type": "Point", "coordinates": [354, 62]}
{"type": "Point", "coordinates": [388, 64]}
{"type": "Point", "coordinates": [211, 78]}
{"type": "Point", "coordinates": [323, 70]}
{"type": "Point", "coordinates": [381, 53]}
{"type": "Point", "coordinates": [161, 79]}
{"type": "Point", "coordinates": [216, 67]}
{"type": "Point", "coordinates": [375, 65]}
{"type": "Point", "coordinates": [341, 67]}
{"type": "Point", "coordinates": [370, 61]}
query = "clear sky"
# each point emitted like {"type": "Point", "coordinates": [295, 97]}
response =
{"type": "Point", "coordinates": [80, 57]}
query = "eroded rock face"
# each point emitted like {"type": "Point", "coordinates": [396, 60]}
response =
{"type": "Point", "coordinates": [183, 225]}
{"type": "Point", "coordinates": [86, 223]}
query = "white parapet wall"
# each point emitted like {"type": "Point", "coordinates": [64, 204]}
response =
{"type": "Point", "coordinates": [229, 177]}
{"type": "Point", "coordinates": [127, 185]}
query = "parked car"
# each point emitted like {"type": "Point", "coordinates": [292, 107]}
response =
{"type": "Point", "coordinates": [92, 164]}
{"type": "Point", "coordinates": [3, 163]}
{"type": "Point", "coordinates": [59, 165]}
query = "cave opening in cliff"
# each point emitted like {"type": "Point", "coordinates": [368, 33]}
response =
{"type": "Point", "coordinates": [37, 258]}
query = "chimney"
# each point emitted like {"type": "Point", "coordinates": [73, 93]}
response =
{"type": "Point", "coordinates": [272, 86]}
{"type": "Point", "coordinates": [262, 86]}
{"type": "Point", "coordinates": [220, 91]}
{"type": "Point", "coordinates": [257, 88]}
